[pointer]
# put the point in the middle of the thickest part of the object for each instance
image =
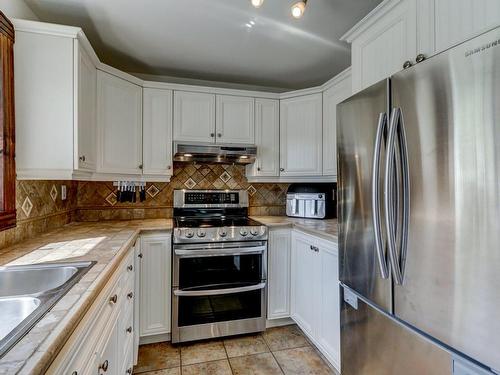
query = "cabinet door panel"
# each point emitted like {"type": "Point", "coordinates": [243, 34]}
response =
{"type": "Point", "coordinates": [331, 98]}
{"type": "Point", "coordinates": [235, 119]}
{"type": "Point", "coordinates": [119, 118]}
{"type": "Point", "coordinates": [279, 267]}
{"type": "Point", "coordinates": [157, 132]}
{"type": "Point", "coordinates": [108, 355]}
{"type": "Point", "coordinates": [194, 116]}
{"type": "Point", "coordinates": [156, 285]}
{"type": "Point", "coordinates": [85, 147]}
{"type": "Point", "coordinates": [300, 136]}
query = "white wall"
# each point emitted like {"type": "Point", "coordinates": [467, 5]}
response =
{"type": "Point", "coordinates": [17, 9]}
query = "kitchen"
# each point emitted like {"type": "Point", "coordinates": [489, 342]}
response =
{"type": "Point", "coordinates": [321, 202]}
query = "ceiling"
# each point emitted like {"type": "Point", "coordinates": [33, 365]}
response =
{"type": "Point", "coordinates": [212, 40]}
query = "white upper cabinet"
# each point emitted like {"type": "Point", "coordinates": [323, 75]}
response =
{"type": "Point", "coordinates": [194, 117]}
{"type": "Point", "coordinates": [119, 122]}
{"type": "Point", "coordinates": [86, 151]}
{"type": "Point", "coordinates": [267, 133]}
{"type": "Point", "coordinates": [157, 132]}
{"type": "Point", "coordinates": [301, 126]}
{"type": "Point", "coordinates": [382, 42]}
{"type": "Point", "coordinates": [340, 90]}
{"type": "Point", "coordinates": [235, 119]}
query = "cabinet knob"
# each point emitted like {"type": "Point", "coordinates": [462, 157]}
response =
{"type": "Point", "coordinates": [104, 366]}
{"type": "Point", "coordinates": [129, 370]}
{"type": "Point", "coordinates": [258, 168]}
{"type": "Point", "coordinates": [130, 295]}
{"type": "Point", "coordinates": [140, 255]}
{"type": "Point", "coordinates": [113, 299]}
{"type": "Point", "coordinates": [129, 329]}
{"type": "Point", "coordinates": [420, 57]}
{"type": "Point", "coordinates": [282, 169]}
{"type": "Point", "coordinates": [140, 166]}
{"type": "Point", "coordinates": [407, 64]}
{"type": "Point", "coordinates": [219, 135]}
{"type": "Point", "coordinates": [74, 373]}
{"type": "Point", "coordinates": [130, 267]}
{"type": "Point", "coordinates": [212, 135]}
{"type": "Point", "coordinates": [82, 158]}
{"type": "Point", "coordinates": [169, 167]}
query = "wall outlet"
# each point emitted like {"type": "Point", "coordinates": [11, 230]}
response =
{"type": "Point", "coordinates": [63, 192]}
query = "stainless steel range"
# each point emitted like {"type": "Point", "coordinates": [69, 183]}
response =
{"type": "Point", "coordinates": [219, 266]}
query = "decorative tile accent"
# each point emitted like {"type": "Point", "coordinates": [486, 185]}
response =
{"type": "Point", "coordinates": [225, 177]}
{"type": "Point", "coordinates": [190, 183]}
{"type": "Point", "coordinates": [27, 206]}
{"type": "Point", "coordinates": [53, 193]}
{"type": "Point", "coordinates": [251, 190]}
{"type": "Point", "coordinates": [111, 199]}
{"type": "Point", "coordinates": [153, 191]}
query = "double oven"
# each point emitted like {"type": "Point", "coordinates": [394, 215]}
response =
{"type": "Point", "coordinates": [219, 266]}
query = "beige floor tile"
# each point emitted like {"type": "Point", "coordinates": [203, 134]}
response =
{"type": "Point", "coordinates": [301, 361]}
{"type": "Point", "coordinates": [157, 356]}
{"type": "Point", "coordinates": [202, 352]}
{"type": "Point", "coordinates": [208, 368]}
{"type": "Point", "coordinates": [245, 345]}
{"type": "Point", "coordinates": [259, 364]}
{"type": "Point", "coordinates": [286, 337]}
{"type": "Point", "coordinates": [167, 371]}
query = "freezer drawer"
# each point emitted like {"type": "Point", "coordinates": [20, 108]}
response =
{"type": "Point", "coordinates": [372, 343]}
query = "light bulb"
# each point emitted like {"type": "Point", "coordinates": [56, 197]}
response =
{"type": "Point", "coordinates": [299, 8]}
{"type": "Point", "coordinates": [257, 3]}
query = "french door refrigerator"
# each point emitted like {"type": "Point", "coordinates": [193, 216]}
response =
{"type": "Point", "coordinates": [419, 217]}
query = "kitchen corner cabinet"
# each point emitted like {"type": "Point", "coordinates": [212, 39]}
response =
{"type": "Point", "coordinates": [267, 133]}
{"type": "Point", "coordinates": [194, 117]}
{"type": "Point", "coordinates": [315, 292]}
{"type": "Point", "coordinates": [335, 94]}
{"type": "Point", "coordinates": [301, 141]}
{"type": "Point", "coordinates": [155, 284]}
{"type": "Point", "coordinates": [119, 124]}
{"type": "Point", "coordinates": [157, 132]}
{"type": "Point", "coordinates": [55, 94]}
{"type": "Point", "coordinates": [235, 119]}
{"type": "Point", "coordinates": [278, 278]}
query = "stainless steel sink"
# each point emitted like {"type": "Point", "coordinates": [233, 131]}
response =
{"type": "Point", "coordinates": [28, 292]}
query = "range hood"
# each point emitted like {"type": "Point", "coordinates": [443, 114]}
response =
{"type": "Point", "coordinates": [224, 154]}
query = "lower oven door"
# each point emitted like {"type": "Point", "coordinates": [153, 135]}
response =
{"type": "Point", "coordinates": [207, 313]}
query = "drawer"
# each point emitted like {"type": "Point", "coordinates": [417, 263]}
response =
{"type": "Point", "coordinates": [125, 337]}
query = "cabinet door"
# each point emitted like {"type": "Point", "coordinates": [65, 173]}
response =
{"type": "Point", "coordinates": [235, 119]}
{"type": "Point", "coordinates": [119, 119]}
{"type": "Point", "coordinates": [267, 133]}
{"type": "Point", "coordinates": [279, 263]}
{"type": "Point", "coordinates": [384, 46]}
{"type": "Point", "coordinates": [328, 333]}
{"type": "Point", "coordinates": [331, 97]}
{"type": "Point", "coordinates": [194, 116]}
{"type": "Point", "coordinates": [156, 285]}
{"type": "Point", "coordinates": [157, 132]}
{"type": "Point", "coordinates": [109, 363]}
{"type": "Point", "coordinates": [85, 145]}
{"type": "Point", "coordinates": [304, 283]}
{"type": "Point", "coordinates": [301, 136]}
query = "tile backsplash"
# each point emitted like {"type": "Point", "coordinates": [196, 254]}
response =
{"type": "Point", "coordinates": [97, 200]}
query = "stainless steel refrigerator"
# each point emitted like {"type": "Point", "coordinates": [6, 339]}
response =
{"type": "Point", "coordinates": [419, 217]}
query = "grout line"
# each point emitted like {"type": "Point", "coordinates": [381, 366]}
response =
{"type": "Point", "coordinates": [227, 357]}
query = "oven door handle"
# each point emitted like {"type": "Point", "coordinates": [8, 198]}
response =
{"type": "Point", "coordinates": [213, 292]}
{"type": "Point", "coordinates": [219, 252]}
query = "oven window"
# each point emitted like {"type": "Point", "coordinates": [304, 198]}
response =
{"type": "Point", "coordinates": [217, 271]}
{"type": "Point", "coordinates": [219, 308]}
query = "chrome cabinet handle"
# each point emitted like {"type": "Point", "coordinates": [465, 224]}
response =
{"type": "Point", "coordinates": [130, 295]}
{"type": "Point", "coordinates": [129, 370]}
{"type": "Point", "coordinates": [314, 248]}
{"type": "Point", "coordinates": [129, 329]}
{"type": "Point", "coordinates": [282, 169]}
{"type": "Point", "coordinates": [212, 292]}
{"type": "Point", "coordinates": [130, 267]}
{"type": "Point", "coordinates": [139, 255]}
{"type": "Point", "coordinates": [420, 57]}
{"type": "Point", "coordinates": [104, 366]}
{"type": "Point", "coordinates": [82, 158]}
{"type": "Point", "coordinates": [113, 299]}
{"type": "Point", "coordinates": [407, 64]}
{"type": "Point", "coordinates": [377, 228]}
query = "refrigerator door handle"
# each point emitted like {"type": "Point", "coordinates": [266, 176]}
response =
{"type": "Point", "coordinates": [389, 195]}
{"type": "Point", "coordinates": [381, 126]}
{"type": "Point", "coordinates": [403, 149]}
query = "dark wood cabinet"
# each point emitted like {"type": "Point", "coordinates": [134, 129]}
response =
{"type": "Point", "coordinates": [7, 126]}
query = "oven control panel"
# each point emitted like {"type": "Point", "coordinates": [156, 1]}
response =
{"type": "Point", "coordinates": [220, 234]}
{"type": "Point", "coordinates": [211, 198]}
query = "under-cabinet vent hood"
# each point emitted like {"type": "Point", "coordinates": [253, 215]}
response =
{"type": "Point", "coordinates": [229, 154]}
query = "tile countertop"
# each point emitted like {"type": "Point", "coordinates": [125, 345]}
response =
{"type": "Point", "coordinates": [325, 229]}
{"type": "Point", "coordinates": [104, 242]}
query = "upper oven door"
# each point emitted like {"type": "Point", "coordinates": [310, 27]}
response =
{"type": "Point", "coordinates": [219, 265]}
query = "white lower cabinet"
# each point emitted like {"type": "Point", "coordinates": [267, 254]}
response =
{"type": "Point", "coordinates": [278, 275]}
{"type": "Point", "coordinates": [315, 303]}
{"type": "Point", "coordinates": [155, 284]}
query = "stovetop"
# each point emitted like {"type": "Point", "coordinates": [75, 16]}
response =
{"type": "Point", "coordinates": [214, 222]}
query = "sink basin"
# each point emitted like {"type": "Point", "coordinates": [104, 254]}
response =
{"type": "Point", "coordinates": [14, 310]}
{"type": "Point", "coordinates": [20, 280]}
{"type": "Point", "coordinates": [28, 292]}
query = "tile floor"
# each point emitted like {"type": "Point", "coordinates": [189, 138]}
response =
{"type": "Point", "coordinates": [281, 350]}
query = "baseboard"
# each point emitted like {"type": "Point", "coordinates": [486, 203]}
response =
{"type": "Point", "coordinates": [154, 338]}
{"type": "Point", "coordinates": [279, 322]}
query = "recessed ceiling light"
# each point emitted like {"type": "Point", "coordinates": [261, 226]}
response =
{"type": "Point", "coordinates": [257, 3]}
{"type": "Point", "coordinates": [248, 25]}
{"type": "Point", "coordinates": [299, 8]}
{"type": "Point", "coordinates": [252, 23]}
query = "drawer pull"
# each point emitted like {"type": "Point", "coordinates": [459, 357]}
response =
{"type": "Point", "coordinates": [104, 366]}
{"type": "Point", "coordinates": [129, 370]}
{"type": "Point", "coordinates": [74, 373]}
{"type": "Point", "coordinates": [129, 329]}
{"type": "Point", "coordinates": [113, 299]}
{"type": "Point", "coordinates": [130, 295]}
{"type": "Point", "coordinates": [140, 255]}
{"type": "Point", "coordinates": [130, 267]}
